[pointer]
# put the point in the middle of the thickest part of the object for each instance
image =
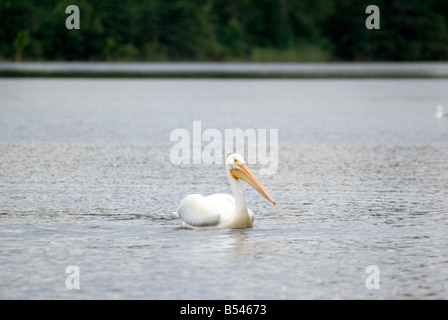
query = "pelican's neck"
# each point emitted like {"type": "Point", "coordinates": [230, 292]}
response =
{"type": "Point", "coordinates": [238, 194]}
{"type": "Point", "coordinates": [240, 217]}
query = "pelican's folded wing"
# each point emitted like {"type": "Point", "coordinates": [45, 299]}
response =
{"type": "Point", "coordinates": [196, 211]}
{"type": "Point", "coordinates": [225, 204]}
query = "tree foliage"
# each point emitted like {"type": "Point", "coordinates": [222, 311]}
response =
{"type": "Point", "coordinates": [224, 30]}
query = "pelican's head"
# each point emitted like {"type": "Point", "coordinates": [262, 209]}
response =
{"type": "Point", "coordinates": [238, 169]}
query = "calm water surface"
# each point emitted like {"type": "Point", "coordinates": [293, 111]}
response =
{"type": "Point", "coordinates": [86, 180]}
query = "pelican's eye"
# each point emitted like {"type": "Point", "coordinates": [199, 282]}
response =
{"type": "Point", "coordinates": [236, 162]}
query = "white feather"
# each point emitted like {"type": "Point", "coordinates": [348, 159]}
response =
{"type": "Point", "coordinates": [219, 210]}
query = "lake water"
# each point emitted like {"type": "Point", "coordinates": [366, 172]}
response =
{"type": "Point", "coordinates": [86, 180]}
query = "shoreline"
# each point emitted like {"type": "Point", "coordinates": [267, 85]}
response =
{"type": "Point", "coordinates": [224, 70]}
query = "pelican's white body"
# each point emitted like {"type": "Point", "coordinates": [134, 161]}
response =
{"type": "Point", "coordinates": [219, 210]}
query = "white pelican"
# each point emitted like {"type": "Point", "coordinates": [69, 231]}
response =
{"type": "Point", "coordinates": [440, 113]}
{"type": "Point", "coordinates": [222, 210]}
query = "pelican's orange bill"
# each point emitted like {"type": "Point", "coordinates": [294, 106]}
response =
{"type": "Point", "coordinates": [246, 174]}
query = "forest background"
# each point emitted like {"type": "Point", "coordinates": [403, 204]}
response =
{"type": "Point", "coordinates": [224, 30]}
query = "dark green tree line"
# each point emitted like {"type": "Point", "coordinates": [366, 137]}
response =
{"type": "Point", "coordinates": [224, 30]}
